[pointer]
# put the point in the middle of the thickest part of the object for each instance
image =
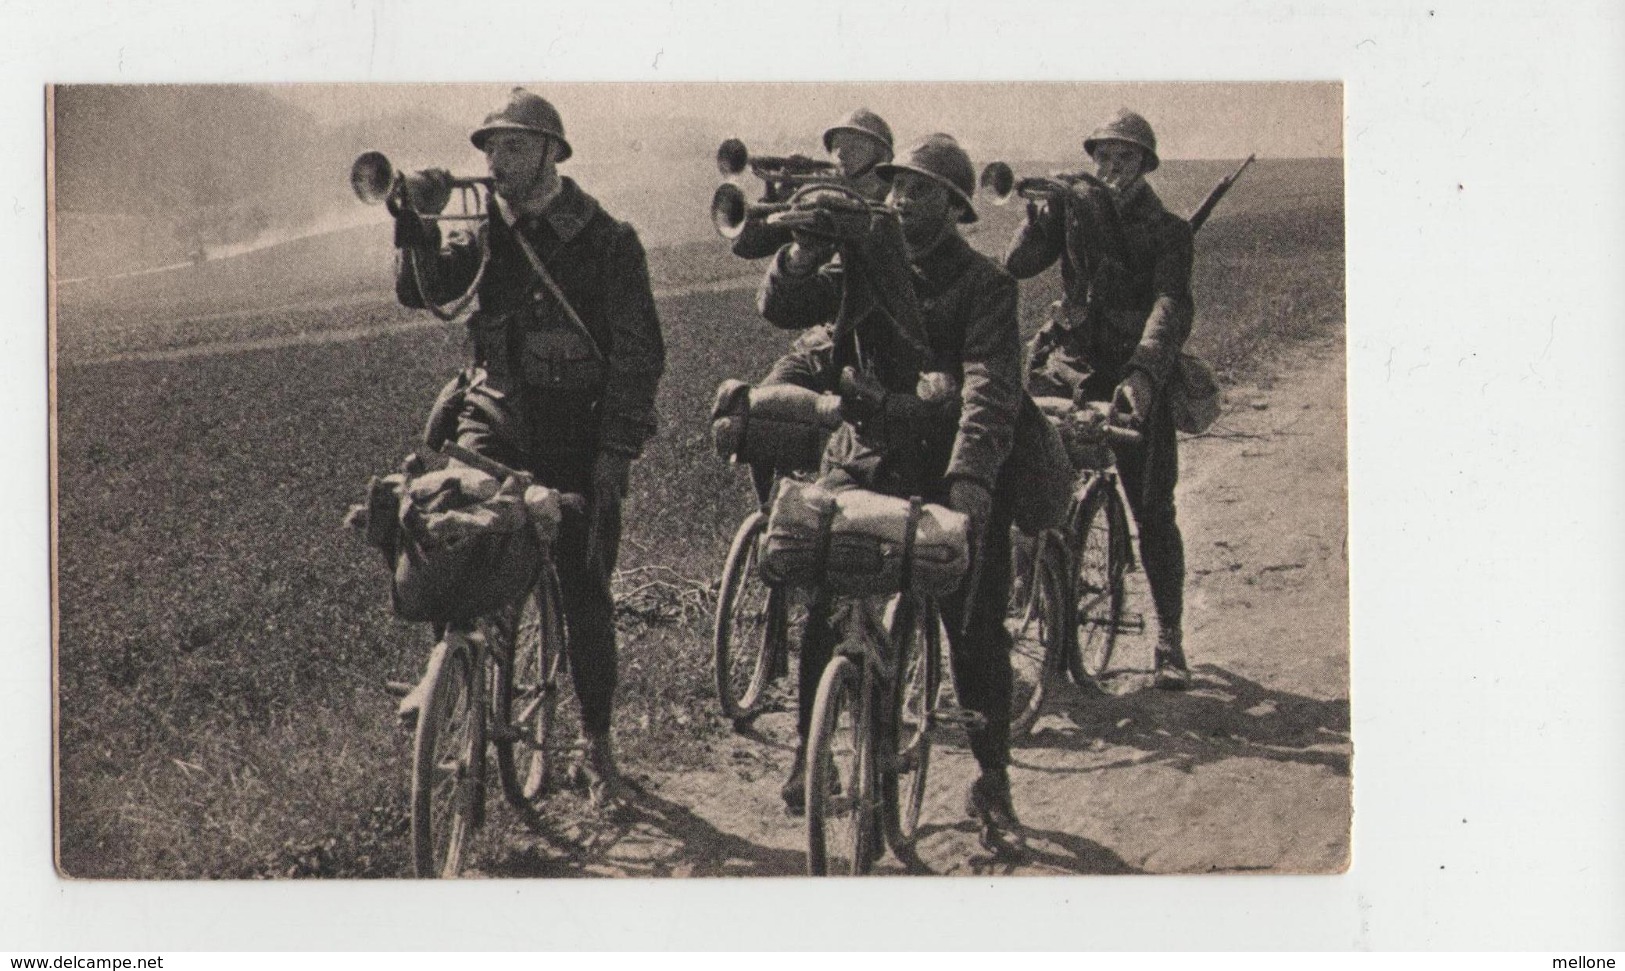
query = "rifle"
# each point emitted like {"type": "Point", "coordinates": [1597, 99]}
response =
{"type": "Point", "coordinates": [1206, 208]}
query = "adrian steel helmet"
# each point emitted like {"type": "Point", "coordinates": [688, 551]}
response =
{"type": "Point", "coordinates": [1126, 126]}
{"type": "Point", "coordinates": [524, 112]}
{"type": "Point", "coordinates": [864, 122]}
{"type": "Point", "coordinates": [940, 158]}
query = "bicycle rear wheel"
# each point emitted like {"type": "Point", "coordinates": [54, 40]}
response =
{"type": "Point", "coordinates": [447, 762]}
{"type": "Point", "coordinates": [841, 808]}
{"type": "Point", "coordinates": [917, 640]}
{"type": "Point", "coordinates": [1038, 637]}
{"type": "Point", "coordinates": [1101, 556]}
{"type": "Point", "coordinates": [527, 693]}
{"type": "Point", "coordinates": [750, 625]}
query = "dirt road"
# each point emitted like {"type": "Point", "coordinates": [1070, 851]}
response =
{"type": "Point", "coordinates": [1250, 771]}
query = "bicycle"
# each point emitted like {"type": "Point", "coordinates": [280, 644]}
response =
{"type": "Point", "coordinates": [751, 630]}
{"type": "Point", "coordinates": [876, 712]}
{"type": "Point", "coordinates": [1098, 544]}
{"type": "Point", "coordinates": [1076, 591]}
{"type": "Point", "coordinates": [753, 624]}
{"type": "Point", "coordinates": [496, 681]}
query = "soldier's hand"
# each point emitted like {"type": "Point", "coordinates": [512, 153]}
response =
{"type": "Point", "coordinates": [862, 397]}
{"type": "Point", "coordinates": [973, 500]}
{"type": "Point", "coordinates": [1135, 396]}
{"type": "Point", "coordinates": [807, 253]}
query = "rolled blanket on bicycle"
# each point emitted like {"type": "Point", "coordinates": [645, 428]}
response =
{"type": "Point", "coordinates": [781, 426]}
{"type": "Point", "coordinates": [858, 543]}
{"type": "Point", "coordinates": [458, 543]}
{"type": "Point", "coordinates": [1080, 432]}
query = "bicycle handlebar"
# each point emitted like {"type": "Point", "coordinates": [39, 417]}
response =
{"type": "Point", "coordinates": [573, 502]}
{"type": "Point", "coordinates": [1118, 435]}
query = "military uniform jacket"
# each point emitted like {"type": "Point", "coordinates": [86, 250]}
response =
{"type": "Point", "coordinates": [969, 307]}
{"type": "Point", "coordinates": [599, 264]}
{"type": "Point", "coordinates": [1144, 299]}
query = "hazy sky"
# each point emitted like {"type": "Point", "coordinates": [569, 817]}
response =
{"type": "Point", "coordinates": [1033, 120]}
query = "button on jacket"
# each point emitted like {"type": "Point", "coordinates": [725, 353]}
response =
{"type": "Point", "coordinates": [599, 264]}
{"type": "Point", "coordinates": [1147, 303]}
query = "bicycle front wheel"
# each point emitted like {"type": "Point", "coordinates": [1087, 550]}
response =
{"type": "Point", "coordinates": [750, 625]}
{"type": "Point", "coordinates": [1039, 629]}
{"type": "Point", "coordinates": [527, 693]}
{"type": "Point", "coordinates": [917, 640]}
{"type": "Point", "coordinates": [1101, 555]}
{"type": "Point", "coordinates": [841, 810]}
{"type": "Point", "coordinates": [446, 763]}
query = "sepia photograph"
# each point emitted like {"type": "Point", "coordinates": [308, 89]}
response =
{"type": "Point", "coordinates": [543, 480]}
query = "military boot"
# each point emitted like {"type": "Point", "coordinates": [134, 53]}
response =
{"type": "Point", "coordinates": [794, 790]}
{"type": "Point", "coordinates": [596, 769]}
{"type": "Point", "coordinates": [1172, 673]}
{"type": "Point", "coordinates": [988, 802]}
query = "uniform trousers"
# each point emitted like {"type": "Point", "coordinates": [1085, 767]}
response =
{"type": "Point", "coordinates": [560, 449]}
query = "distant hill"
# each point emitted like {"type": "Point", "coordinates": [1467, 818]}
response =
{"type": "Point", "coordinates": [145, 149]}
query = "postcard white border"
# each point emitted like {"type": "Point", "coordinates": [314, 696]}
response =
{"type": "Point", "coordinates": [1485, 347]}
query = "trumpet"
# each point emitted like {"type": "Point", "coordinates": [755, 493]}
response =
{"type": "Point", "coordinates": [731, 211]}
{"type": "Point", "coordinates": [733, 158]}
{"type": "Point", "coordinates": [426, 192]}
{"type": "Point", "coordinates": [822, 209]}
{"type": "Point", "coordinates": [1000, 181]}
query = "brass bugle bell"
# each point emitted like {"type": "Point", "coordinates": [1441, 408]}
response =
{"type": "Point", "coordinates": [374, 180]}
{"type": "Point", "coordinates": [731, 211]}
{"type": "Point", "coordinates": [1000, 181]}
{"type": "Point", "coordinates": [733, 158]}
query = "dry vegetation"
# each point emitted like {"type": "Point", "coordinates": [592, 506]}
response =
{"type": "Point", "coordinates": [223, 643]}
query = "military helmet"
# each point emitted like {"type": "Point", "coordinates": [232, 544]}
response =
{"type": "Point", "coordinates": [524, 112]}
{"type": "Point", "coordinates": [864, 122]}
{"type": "Point", "coordinates": [1126, 126]}
{"type": "Point", "coordinates": [941, 159]}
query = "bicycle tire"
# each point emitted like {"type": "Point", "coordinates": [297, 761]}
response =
{"type": "Point", "coordinates": [840, 775]}
{"type": "Point", "coordinates": [554, 659]}
{"type": "Point", "coordinates": [526, 694]}
{"type": "Point", "coordinates": [917, 640]}
{"type": "Point", "coordinates": [1038, 639]}
{"type": "Point", "coordinates": [749, 625]}
{"type": "Point", "coordinates": [1099, 535]}
{"type": "Point", "coordinates": [447, 759]}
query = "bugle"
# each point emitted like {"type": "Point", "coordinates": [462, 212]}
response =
{"type": "Point", "coordinates": [821, 209]}
{"type": "Point", "coordinates": [1000, 181]}
{"type": "Point", "coordinates": [731, 211]}
{"type": "Point", "coordinates": [733, 158]}
{"type": "Point", "coordinates": [425, 192]}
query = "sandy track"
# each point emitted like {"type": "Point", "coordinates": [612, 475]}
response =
{"type": "Point", "coordinates": [1248, 772]}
